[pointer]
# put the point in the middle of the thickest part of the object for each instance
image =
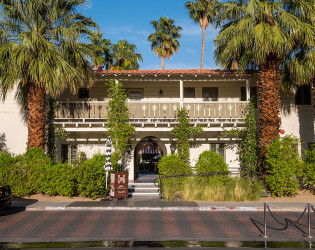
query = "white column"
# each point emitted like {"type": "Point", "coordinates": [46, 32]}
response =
{"type": "Point", "coordinates": [181, 93]}
{"type": "Point", "coordinates": [247, 90]}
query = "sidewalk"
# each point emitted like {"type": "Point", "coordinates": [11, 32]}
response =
{"type": "Point", "coordinates": [156, 205]}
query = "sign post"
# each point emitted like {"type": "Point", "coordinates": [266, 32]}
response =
{"type": "Point", "coordinates": [119, 185]}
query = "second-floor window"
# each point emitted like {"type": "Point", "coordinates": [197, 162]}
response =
{"type": "Point", "coordinates": [252, 95]}
{"type": "Point", "coordinates": [303, 95]}
{"type": "Point", "coordinates": [84, 93]}
{"type": "Point", "coordinates": [135, 94]}
{"type": "Point", "coordinates": [210, 93]}
{"type": "Point", "coordinates": [189, 92]}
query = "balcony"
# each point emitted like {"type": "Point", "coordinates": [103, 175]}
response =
{"type": "Point", "coordinates": [143, 114]}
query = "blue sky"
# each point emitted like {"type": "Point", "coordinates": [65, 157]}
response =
{"type": "Point", "coordinates": [130, 20]}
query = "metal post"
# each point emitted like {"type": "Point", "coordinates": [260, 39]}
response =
{"type": "Point", "coordinates": [265, 221]}
{"type": "Point", "coordinates": [309, 220]}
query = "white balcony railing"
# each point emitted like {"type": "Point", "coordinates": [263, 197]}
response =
{"type": "Point", "coordinates": [153, 110]}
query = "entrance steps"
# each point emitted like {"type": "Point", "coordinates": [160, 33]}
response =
{"type": "Point", "coordinates": [143, 190]}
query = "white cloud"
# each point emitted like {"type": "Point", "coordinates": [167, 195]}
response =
{"type": "Point", "coordinates": [191, 51]}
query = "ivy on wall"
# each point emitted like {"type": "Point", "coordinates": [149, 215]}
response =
{"type": "Point", "coordinates": [119, 129]}
{"type": "Point", "coordinates": [247, 149]}
{"type": "Point", "coordinates": [182, 131]}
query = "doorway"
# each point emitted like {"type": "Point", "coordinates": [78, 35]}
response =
{"type": "Point", "coordinates": [148, 152]}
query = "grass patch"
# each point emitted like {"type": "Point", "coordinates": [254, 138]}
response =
{"type": "Point", "coordinates": [213, 189]}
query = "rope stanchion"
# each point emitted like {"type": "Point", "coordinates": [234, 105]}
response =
{"type": "Point", "coordinates": [288, 222]}
{"type": "Point", "coordinates": [308, 235]}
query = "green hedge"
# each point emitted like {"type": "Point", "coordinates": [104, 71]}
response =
{"type": "Point", "coordinates": [34, 172]}
{"type": "Point", "coordinates": [283, 167]}
{"type": "Point", "coordinates": [308, 170]}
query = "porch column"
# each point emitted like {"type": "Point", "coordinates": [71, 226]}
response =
{"type": "Point", "coordinates": [181, 93]}
{"type": "Point", "coordinates": [247, 90]}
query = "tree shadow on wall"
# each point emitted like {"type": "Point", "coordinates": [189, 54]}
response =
{"type": "Point", "coordinates": [3, 145]}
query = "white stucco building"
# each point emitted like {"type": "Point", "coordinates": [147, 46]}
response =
{"type": "Point", "coordinates": [214, 99]}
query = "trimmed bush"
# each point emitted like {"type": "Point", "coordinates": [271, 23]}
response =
{"type": "Point", "coordinates": [283, 167]}
{"type": "Point", "coordinates": [173, 165]}
{"type": "Point", "coordinates": [209, 161]}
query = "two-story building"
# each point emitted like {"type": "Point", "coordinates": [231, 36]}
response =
{"type": "Point", "coordinates": [214, 99]}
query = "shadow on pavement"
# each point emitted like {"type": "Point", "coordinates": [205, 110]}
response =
{"type": "Point", "coordinates": [11, 211]}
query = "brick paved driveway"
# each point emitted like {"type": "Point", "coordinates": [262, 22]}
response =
{"type": "Point", "coordinates": [140, 225]}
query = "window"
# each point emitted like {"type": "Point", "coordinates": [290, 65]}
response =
{"type": "Point", "coordinates": [252, 94]}
{"type": "Point", "coordinates": [84, 93]}
{"type": "Point", "coordinates": [303, 95]}
{"type": "Point", "coordinates": [218, 148]}
{"type": "Point", "coordinates": [311, 146]}
{"type": "Point", "coordinates": [135, 94]}
{"type": "Point", "coordinates": [189, 92]}
{"type": "Point", "coordinates": [210, 94]}
{"type": "Point", "coordinates": [68, 153]}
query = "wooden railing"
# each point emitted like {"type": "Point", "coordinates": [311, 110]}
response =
{"type": "Point", "coordinates": [152, 110]}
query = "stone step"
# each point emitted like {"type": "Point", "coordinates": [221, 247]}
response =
{"type": "Point", "coordinates": [143, 189]}
{"type": "Point", "coordinates": [153, 195]}
{"type": "Point", "coordinates": [135, 184]}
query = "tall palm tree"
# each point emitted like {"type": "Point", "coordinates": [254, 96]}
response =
{"type": "Point", "coordinates": [102, 50]}
{"type": "Point", "coordinates": [124, 56]}
{"type": "Point", "coordinates": [44, 53]}
{"type": "Point", "coordinates": [201, 11]}
{"type": "Point", "coordinates": [164, 41]}
{"type": "Point", "coordinates": [261, 34]}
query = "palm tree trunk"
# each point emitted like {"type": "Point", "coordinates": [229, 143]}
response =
{"type": "Point", "coordinates": [203, 46]}
{"type": "Point", "coordinates": [36, 121]}
{"type": "Point", "coordinates": [163, 66]}
{"type": "Point", "coordinates": [313, 93]}
{"type": "Point", "coordinates": [269, 107]}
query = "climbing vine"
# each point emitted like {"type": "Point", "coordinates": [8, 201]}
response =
{"type": "Point", "coordinates": [247, 149]}
{"type": "Point", "coordinates": [118, 126]}
{"type": "Point", "coordinates": [182, 131]}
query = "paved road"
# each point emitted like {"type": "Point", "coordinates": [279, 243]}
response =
{"type": "Point", "coordinates": [73, 226]}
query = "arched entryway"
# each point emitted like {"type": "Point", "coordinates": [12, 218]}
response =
{"type": "Point", "coordinates": [147, 154]}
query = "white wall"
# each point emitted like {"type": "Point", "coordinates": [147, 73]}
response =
{"type": "Point", "coordinates": [12, 126]}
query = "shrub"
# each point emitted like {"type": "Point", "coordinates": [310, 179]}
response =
{"type": "Point", "coordinates": [172, 165]}
{"type": "Point", "coordinates": [60, 179]}
{"type": "Point", "coordinates": [209, 161]}
{"type": "Point", "coordinates": [308, 170]}
{"type": "Point", "coordinates": [6, 162]}
{"type": "Point", "coordinates": [283, 167]}
{"type": "Point", "coordinates": [91, 177]}
{"type": "Point", "coordinates": [27, 174]}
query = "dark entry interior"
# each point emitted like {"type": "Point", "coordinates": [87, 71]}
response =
{"type": "Point", "coordinates": [148, 153]}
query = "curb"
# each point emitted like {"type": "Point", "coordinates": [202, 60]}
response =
{"type": "Point", "coordinates": [205, 209]}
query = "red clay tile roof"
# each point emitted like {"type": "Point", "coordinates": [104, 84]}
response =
{"type": "Point", "coordinates": [175, 72]}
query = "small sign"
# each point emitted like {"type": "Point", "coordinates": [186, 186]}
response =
{"type": "Point", "coordinates": [119, 185]}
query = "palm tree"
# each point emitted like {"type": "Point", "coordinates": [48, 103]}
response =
{"type": "Point", "coordinates": [261, 34]}
{"type": "Point", "coordinates": [102, 49]}
{"type": "Point", "coordinates": [164, 41]}
{"type": "Point", "coordinates": [124, 56]}
{"type": "Point", "coordinates": [44, 53]}
{"type": "Point", "coordinates": [201, 11]}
